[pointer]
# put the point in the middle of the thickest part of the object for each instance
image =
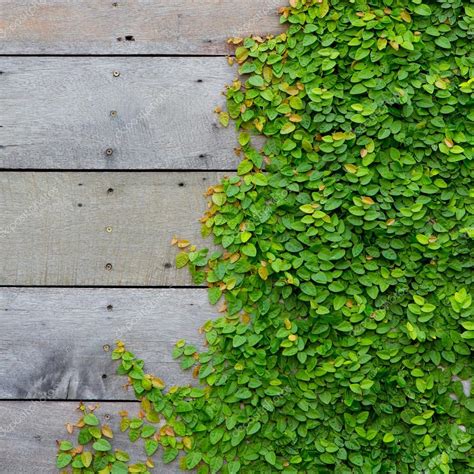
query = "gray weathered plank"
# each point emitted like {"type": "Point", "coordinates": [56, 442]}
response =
{"type": "Point", "coordinates": [29, 430]}
{"type": "Point", "coordinates": [152, 27]}
{"type": "Point", "coordinates": [65, 228]}
{"type": "Point", "coordinates": [68, 113]}
{"type": "Point", "coordinates": [52, 339]}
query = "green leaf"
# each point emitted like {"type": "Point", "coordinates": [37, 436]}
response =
{"type": "Point", "coordinates": [102, 445]}
{"type": "Point", "coordinates": [244, 167]}
{"type": "Point", "coordinates": [65, 446]}
{"type": "Point", "coordinates": [192, 459]}
{"type": "Point", "coordinates": [270, 457]}
{"type": "Point", "coordinates": [215, 294]}
{"type": "Point", "coordinates": [63, 460]}
{"type": "Point", "coordinates": [182, 260]}
{"type": "Point", "coordinates": [151, 446]}
{"type": "Point", "coordinates": [91, 419]}
{"type": "Point", "coordinates": [422, 9]}
{"type": "Point", "coordinates": [170, 455]}
{"type": "Point", "coordinates": [443, 42]}
{"type": "Point", "coordinates": [249, 249]}
{"type": "Point", "coordinates": [256, 81]}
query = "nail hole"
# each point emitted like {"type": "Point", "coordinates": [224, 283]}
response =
{"type": "Point", "coordinates": [119, 38]}
{"type": "Point", "coordinates": [110, 191]}
{"type": "Point", "coordinates": [113, 113]}
{"type": "Point", "coordinates": [129, 38]}
{"type": "Point", "coordinates": [115, 4]}
{"type": "Point", "coordinates": [79, 205]}
{"type": "Point", "coordinates": [199, 80]}
{"type": "Point", "coordinates": [181, 185]}
{"type": "Point", "coordinates": [203, 155]}
{"type": "Point", "coordinates": [104, 376]}
{"type": "Point", "coordinates": [167, 265]}
{"type": "Point", "coordinates": [80, 184]}
{"type": "Point", "coordinates": [110, 307]}
{"type": "Point", "coordinates": [109, 267]}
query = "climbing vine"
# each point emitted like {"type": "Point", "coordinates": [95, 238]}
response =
{"type": "Point", "coordinates": [345, 339]}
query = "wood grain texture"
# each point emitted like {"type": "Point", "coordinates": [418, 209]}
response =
{"type": "Point", "coordinates": [64, 228]}
{"type": "Point", "coordinates": [52, 339]}
{"type": "Point", "coordinates": [131, 26]}
{"type": "Point", "coordinates": [29, 430]}
{"type": "Point", "coordinates": [73, 113]}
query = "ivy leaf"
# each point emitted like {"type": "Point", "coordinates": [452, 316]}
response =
{"type": "Point", "coordinates": [192, 459]}
{"type": "Point", "coordinates": [215, 294]}
{"type": "Point", "coordinates": [102, 445]}
{"type": "Point", "coordinates": [422, 9]}
{"type": "Point", "coordinates": [63, 460]}
{"type": "Point", "coordinates": [91, 419]}
{"type": "Point", "coordinates": [170, 455]}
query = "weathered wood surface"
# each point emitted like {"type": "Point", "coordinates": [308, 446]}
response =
{"type": "Point", "coordinates": [73, 113]}
{"type": "Point", "coordinates": [130, 26]}
{"type": "Point", "coordinates": [29, 430]}
{"type": "Point", "coordinates": [98, 229]}
{"type": "Point", "coordinates": [54, 341]}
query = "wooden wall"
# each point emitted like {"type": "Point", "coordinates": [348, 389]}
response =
{"type": "Point", "coordinates": [108, 141]}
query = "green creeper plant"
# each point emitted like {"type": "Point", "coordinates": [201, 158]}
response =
{"type": "Point", "coordinates": [346, 328]}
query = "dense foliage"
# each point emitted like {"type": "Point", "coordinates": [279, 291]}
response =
{"type": "Point", "coordinates": [347, 322]}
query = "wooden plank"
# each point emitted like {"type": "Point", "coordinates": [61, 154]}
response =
{"type": "Point", "coordinates": [73, 113]}
{"type": "Point", "coordinates": [52, 339]}
{"type": "Point", "coordinates": [29, 430]}
{"type": "Point", "coordinates": [130, 26]}
{"type": "Point", "coordinates": [98, 229]}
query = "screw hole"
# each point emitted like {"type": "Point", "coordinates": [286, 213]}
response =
{"type": "Point", "coordinates": [116, 74]}
{"type": "Point", "coordinates": [109, 152]}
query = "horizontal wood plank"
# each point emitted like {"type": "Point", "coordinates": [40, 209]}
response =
{"type": "Point", "coordinates": [98, 229]}
{"type": "Point", "coordinates": [114, 113]}
{"type": "Point", "coordinates": [56, 343]}
{"type": "Point", "coordinates": [131, 26]}
{"type": "Point", "coordinates": [29, 430]}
